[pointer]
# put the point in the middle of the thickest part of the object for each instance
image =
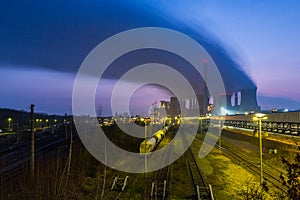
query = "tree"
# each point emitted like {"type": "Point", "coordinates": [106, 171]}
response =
{"type": "Point", "coordinates": [253, 191]}
{"type": "Point", "coordinates": [292, 182]}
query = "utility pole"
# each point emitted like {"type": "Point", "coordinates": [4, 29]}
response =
{"type": "Point", "coordinates": [205, 92]}
{"type": "Point", "coordinates": [201, 126]}
{"type": "Point", "coordinates": [66, 129]}
{"type": "Point", "coordinates": [220, 133]}
{"type": "Point", "coordinates": [32, 140]}
{"type": "Point", "coordinates": [260, 153]}
{"type": "Point", "coordinates": [145, 175]}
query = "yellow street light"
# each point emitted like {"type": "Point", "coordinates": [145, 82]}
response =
{"type": "Point", "coordinates": [47, 123]}
{"type": "Point", "coordinates": [145, 135]}
{"type": "Point", "coordinates": [201, 125]}
{"type": "Point", "coordinates": [220, 132]}
{"type": "Point", "coordinates": [258, 117]}
{"type": "Point", "coordinates": [9, 120]}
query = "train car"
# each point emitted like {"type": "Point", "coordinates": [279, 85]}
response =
{"type": "Point", "coordinates": [149, 144]}
{"type": "Point", "coordinates": [285, 122]}
{"type": "Point", "coordinates": [159, 135]}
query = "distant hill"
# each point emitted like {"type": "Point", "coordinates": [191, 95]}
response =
{"type": "Point", "coordinates": [20, 119]}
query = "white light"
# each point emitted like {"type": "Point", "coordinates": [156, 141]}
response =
{"type": "Point", "coordinates": [259, 115]}
{"type": "Point", "coordinates": [223, 111]}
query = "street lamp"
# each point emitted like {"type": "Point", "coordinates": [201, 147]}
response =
{"type": "Point", "coordinates": [9, 120]}
{"type": "Point", "coordinates": [145, 135]}
{"type": "Point", "coordinates": [258, 117]}
{"type": "Point", "coordinates": [201, 126]}
{"type": "Point", "coordinates": [220, 133]}
{"type": "Point", "coordinates": [37, 122]}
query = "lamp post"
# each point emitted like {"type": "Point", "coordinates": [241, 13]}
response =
{"type": "Point", "coordinates": [9, 120]}
{"type": "Point", "coordinates": [201, 127]}
{"type": "Point", "coordinates": [37, 122]}
{"type": "Point", "coordinates": [220, 133]}
{"type": "Point", "coordinates": [258, 117]}
{"type": "Point", "coordinates": [41, 124]}
{"type": "Point", "coordinates": [145, 153]}
{"type": "Point", "coordinates": [145, 135]}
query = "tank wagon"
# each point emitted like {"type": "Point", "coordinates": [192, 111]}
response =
{"type": "Point", "coordinates": [150, 143]}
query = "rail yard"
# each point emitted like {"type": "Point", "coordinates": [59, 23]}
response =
{"type": "Point", "coordinates": [224, 173]}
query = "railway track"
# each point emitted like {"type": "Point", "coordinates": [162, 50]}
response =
{"type": "Point", "coordinates": [252, 166]}
{"type": "Point", "coordinates": [117, 194]}
{"type": "Point", "coordinates": [160, 182]}
{"type": "Point", "coordinates": [15, 161]}
{"type": "Point", "coordinates": [159, 185]}
{"type": "Point", "coordinates": [201, 189]}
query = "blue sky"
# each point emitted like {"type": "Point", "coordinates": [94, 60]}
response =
{"type": "Point", "coordinates": [44, 43]}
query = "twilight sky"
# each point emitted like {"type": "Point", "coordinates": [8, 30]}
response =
{"type": "Point", "coordinates": [42, 44]}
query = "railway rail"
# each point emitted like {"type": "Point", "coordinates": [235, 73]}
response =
{"type": "Point", "coordinates": [201, 189]}
{"type": "Point", "coordinates": [252, 166]}
{"type": "Point", "coordinates": [117, 194]}
{"type": "Point", "coordinates": [160, 182]}
{"type": "Point", "coordinates": [15, 160]}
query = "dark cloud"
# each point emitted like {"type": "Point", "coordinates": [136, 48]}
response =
{"type": "Point", "coordinates": [59, 34]}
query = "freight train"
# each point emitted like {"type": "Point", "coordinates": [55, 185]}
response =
{"type": "Point", "coordinates": [149, 144]}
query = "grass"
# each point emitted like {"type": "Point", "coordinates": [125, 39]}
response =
{"type": "Point", "coordinates": [226, 177]}
{"type": "Point", "coordinates": [85, 181]}
{"type": "Point", "coordinates": [229, 179]}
